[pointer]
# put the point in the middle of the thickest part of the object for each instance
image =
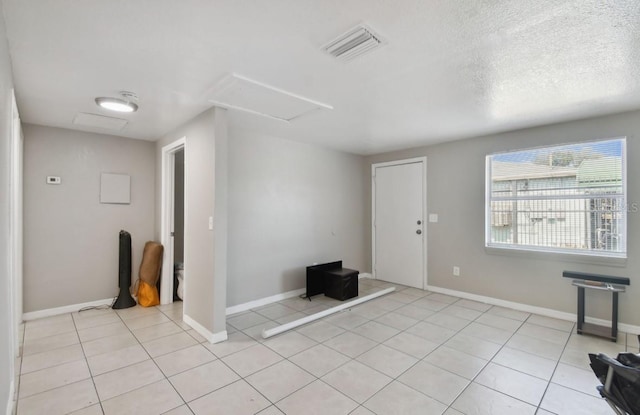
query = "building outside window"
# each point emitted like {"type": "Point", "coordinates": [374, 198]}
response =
{"type": "Point", "coordinates": [568, 199]}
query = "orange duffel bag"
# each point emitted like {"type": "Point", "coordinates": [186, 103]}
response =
{"type": "Point", "coordinates": [149, 274]}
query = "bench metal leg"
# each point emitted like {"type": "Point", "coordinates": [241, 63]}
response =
{"type": "Point", "coordinates": [614, 317]}
{"type": "Point", "coordinates": [580, 309]}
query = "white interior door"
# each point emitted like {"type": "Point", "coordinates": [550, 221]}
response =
{"type": "Point", "coordinates": [398, 222]}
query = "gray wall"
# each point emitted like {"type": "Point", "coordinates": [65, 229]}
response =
{"type": "Point", "coordinates": [7, 336]}
{"type": "Point", "coordinates": [205, 275]}
{"type": "Point", "coordinates": [71, 239]}
{"type": "Point", "coordinates": [456, 192]}
{"type": "Point", "coordinates": [291, 204]}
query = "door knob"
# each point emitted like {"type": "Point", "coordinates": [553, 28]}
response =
{"type": "Point", "coordinates": [419, 232]}
{"type": "Point", "coordinates": [419, 222]}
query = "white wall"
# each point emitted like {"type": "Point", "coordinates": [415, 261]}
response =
{"type": "Point", "coordinates": [291, 204]}
{"type": "Point", "coordinates": [71, 239]}
{"type": "Point", "coordinates": [456, 192]}
{"type": "Point", "coordinates": [7, 336]}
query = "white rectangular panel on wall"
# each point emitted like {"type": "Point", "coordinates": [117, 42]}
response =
{"type": "Point", "coordinates": [115, 188]}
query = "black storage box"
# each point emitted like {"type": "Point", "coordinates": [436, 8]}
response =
{"type": "Point", "coordinates": [341, 283]}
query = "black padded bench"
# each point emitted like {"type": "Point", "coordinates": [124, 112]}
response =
{"type": "Point", "coordinates": [332, 280]}
{"type": "Point", "coordinates": [614, 285]}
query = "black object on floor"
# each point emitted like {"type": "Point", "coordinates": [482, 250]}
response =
{"type": "Point", "coordinates": [341, 283]}
{"type": "Point", "coordinates": [176, 270]}
{"type": "Point", "coordinates": [125, 300]}
{"type": "Point", "coordinates": [620, 380]}
{"type": "Point", "coordinates": [332, 280]}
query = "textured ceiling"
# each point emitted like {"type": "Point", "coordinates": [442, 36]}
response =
{"type": "Point", "coordinates": [449, 69]}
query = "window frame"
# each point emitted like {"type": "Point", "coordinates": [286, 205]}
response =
{"type": "Point", "coordinates": [588, 255]}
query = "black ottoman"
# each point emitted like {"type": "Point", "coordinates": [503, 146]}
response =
{"type": "Point", "coordinates": [341, 283]}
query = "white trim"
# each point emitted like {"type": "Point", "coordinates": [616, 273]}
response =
{"type": "Point", "coordinates": [547, 312]}
{"type": "Point", "coordinates": [11, 403]}
{"type": "Point", "coordinates": [264, 301]}
{"type": "Point", "coordinates": [374, 166]}
{"type": "Point", "coordinates": [275, 298]}
{"type": "Point", "coordinates": [50, 312]}
{"type": "Point", "coordinates": [15, 225]}
{"type": "Point", "coordinates": [201, 330]}
{"type": "Point", "coordinates": [167, 188]}
{"type": "Point", "coordinates": [308, 319]}
{"type": "Point", "coordinates": [399, 162]}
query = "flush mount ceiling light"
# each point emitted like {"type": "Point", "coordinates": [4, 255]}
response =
{"type": "Point", "coordinates": [124, 104]}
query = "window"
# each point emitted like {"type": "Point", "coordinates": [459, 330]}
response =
{"type": "Point", "coordinates": [567, 198]}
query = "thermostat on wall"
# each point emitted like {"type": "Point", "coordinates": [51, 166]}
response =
{"type": "Point", "coordinates": [53, 180]}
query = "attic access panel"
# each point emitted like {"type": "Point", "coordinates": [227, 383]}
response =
{"type": "Point", "coordinates": [115, 188]}
{"type": "Point", "coordinates": [99, 121]}
{"type": "Point", "coordinates": [244, 94]}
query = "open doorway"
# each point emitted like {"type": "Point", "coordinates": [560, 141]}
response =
{"type": "Point", "coordinates": [172, 220]}
{"type": "Point", "coordinates": [178, 226]}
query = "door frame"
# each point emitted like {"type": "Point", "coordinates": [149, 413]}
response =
{"type": "Point", "coordinates": [16, 219]}
{"type": "Point", "coordinates": [168, 154]}
{"type": "Point", "coordinates": [374, 166]}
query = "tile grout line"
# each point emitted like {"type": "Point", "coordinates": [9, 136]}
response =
{"type": "Point", "coordinates": [86, 360]}
{"type": "Point", "coordinates": [554, 371]}
{"type": "Point", "coordinates": [423, 359]}
{"type": "Point", "coordinates": [184, 402]}
{"type": "Point", "coordinates": [366, 320]}
{"type": "Point", "coordinates": [471, 381]}
{"type": "Point", "coordinates": [366, 365]}
{"type": "Point", "coordinates": [491, 360]}
{"type": "Point", "coordinates": [316, 377]}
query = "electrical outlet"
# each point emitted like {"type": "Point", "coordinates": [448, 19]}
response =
{"type": "Point", "coordinates": [456, 271]}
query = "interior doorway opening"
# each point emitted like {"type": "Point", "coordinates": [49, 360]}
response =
{"type": "Point", "coordinates": [178, 226]}
{"type": "Point", "coordinates": [172, 221]}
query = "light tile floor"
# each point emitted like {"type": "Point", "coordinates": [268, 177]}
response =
{"type": "Point", "coordinates": [409, 352]}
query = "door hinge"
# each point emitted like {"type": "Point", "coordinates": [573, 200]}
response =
{"type": "Point", "coordinates": [173, 234]}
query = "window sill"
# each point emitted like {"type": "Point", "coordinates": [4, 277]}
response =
{"type": "Point", "coordinates": [558, 256]}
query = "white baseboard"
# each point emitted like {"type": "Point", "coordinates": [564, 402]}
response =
{"type": "Point", "coordinates": [201, 330]}
{"type": "Point", "coordinates": [11, 404]}
{"type": "Point", "coordinates": [50, 312]}
{"type": "Point", "coordinates": [547, 312]}
{"type": "Point", "coordinates": [274, 298]}
{"type": "Point", "coordinates": [264, 301]}
{"type": "Point", "coordinates": [627, 328]}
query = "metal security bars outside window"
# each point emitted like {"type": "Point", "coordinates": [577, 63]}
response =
{"type": "Point", "coordinates": [567, 199]}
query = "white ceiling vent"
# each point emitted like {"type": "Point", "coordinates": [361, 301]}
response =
{"type": "Point", "coordinates": [99, 121]}
{"type": "Point", "coordinates": [355, 42]}
{"type": "Point", "coordinates": [239, 93]}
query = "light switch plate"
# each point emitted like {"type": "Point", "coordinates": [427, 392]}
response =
{"type": "Point", "coordinates": [54, 180]}
{"type": "Point", "coordinates": [433, 217]}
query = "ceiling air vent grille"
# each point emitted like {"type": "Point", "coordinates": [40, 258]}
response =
{"type": "Point", "coordinates": [354, 43]}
